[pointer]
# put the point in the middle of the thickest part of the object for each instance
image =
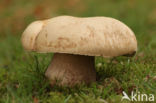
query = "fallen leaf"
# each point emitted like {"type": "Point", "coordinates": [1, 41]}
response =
{"type": "Point", "coordinates": [35, 100]}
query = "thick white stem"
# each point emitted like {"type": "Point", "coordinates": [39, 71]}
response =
{"type": "Point", "coordinates": [69, 70]}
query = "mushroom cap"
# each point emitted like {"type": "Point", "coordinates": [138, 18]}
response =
{"type": "Point", "coordinates": [92, 36]}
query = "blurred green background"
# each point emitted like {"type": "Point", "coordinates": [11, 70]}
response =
{"type": "Point", "coordinates": [22, 74]}
{"type": "Point", "coordinates": [15, 15]}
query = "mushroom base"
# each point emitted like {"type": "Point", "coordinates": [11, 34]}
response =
{"type": "Point", "coordinates": [70, 70]}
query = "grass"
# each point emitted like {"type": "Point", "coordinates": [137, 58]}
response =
{"type": "Point", "coordinates": [22, 77]}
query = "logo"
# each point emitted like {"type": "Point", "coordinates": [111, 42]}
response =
{"type": "Point", "coordinates": [137, 96]}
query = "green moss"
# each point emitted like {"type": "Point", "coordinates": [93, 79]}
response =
{"type": "Point", "coordinates": [22, 74]}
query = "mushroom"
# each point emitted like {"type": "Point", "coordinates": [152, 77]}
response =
{"type": "Point", "coordinates": [75, 41]}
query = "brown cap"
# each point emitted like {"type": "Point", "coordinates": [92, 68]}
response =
{"type": "Point", "coordinates": [92, 36]}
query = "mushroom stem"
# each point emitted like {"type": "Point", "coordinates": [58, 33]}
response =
{"type": "Point", "coordinates": [68, 69]}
